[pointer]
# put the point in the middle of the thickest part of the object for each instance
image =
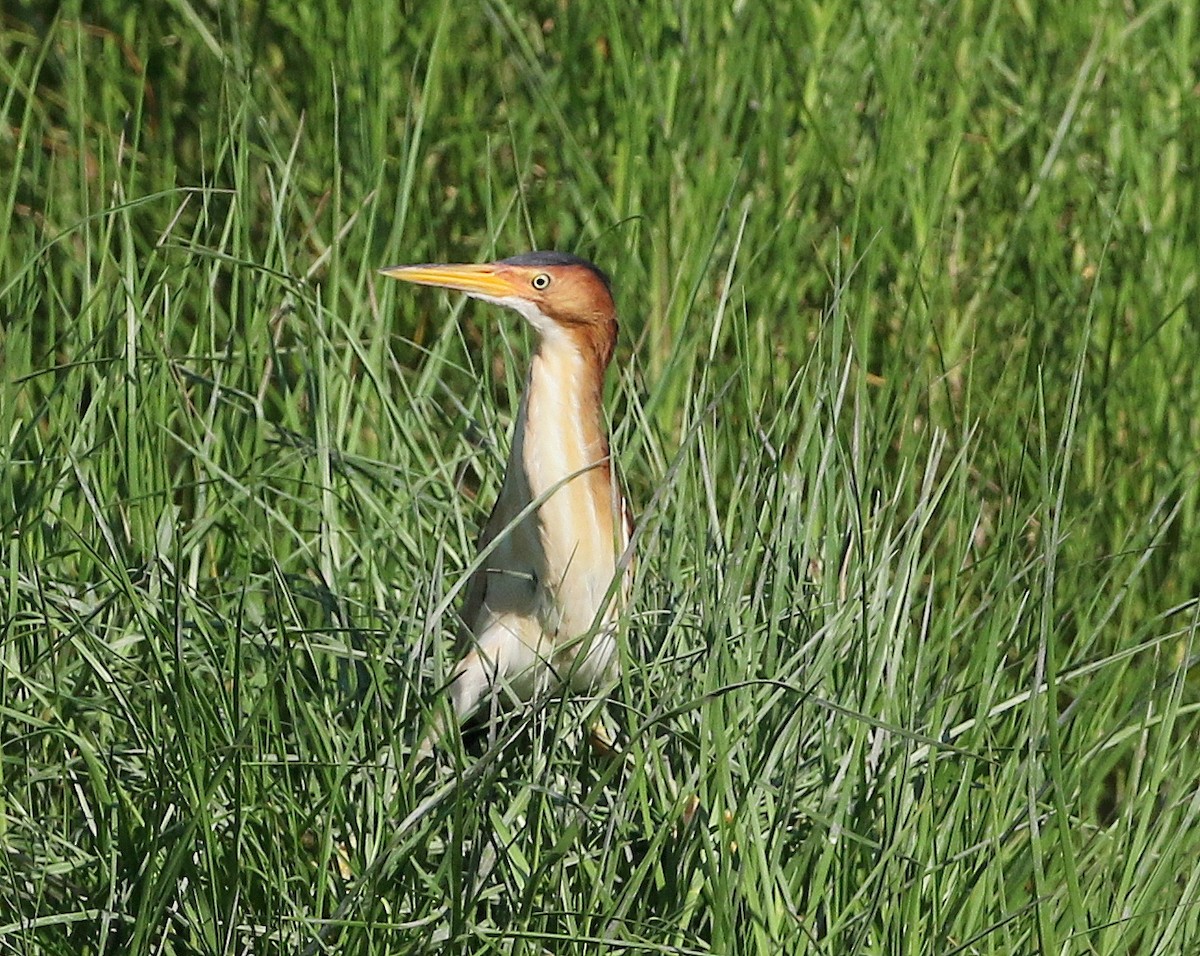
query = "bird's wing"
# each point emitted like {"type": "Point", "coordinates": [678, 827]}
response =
{"type": "Point", "coordinates": [476, 590]}
{"type": "Point", "coordinates": [508, 507]}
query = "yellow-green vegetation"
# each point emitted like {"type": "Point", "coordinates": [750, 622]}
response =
{"type": "Point", "coordinates": [907, 401]}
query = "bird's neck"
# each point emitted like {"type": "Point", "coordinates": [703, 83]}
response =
{"type": "Point", "coordinates": [561, 442]}
{"type": "Point", "coordinates": [561, 450]}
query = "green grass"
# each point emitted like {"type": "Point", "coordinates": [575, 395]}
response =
{"type": "Point", "coordinates": [906, 398]}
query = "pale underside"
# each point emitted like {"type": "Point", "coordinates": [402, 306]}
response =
{"type": "Point", "coordinates": [539, 613]}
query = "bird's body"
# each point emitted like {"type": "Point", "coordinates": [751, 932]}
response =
{"type": "Point", "coordinates": [539, 611]}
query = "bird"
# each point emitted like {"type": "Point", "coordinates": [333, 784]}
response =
{"type": "Point", "coordinates": [540, 610]}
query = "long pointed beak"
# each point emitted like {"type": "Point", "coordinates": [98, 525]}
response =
{"type": "Point", "coordinates": [487, 279]}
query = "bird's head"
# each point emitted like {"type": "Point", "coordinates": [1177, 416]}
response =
{"type": "Point", "coordinates": [565, 298]}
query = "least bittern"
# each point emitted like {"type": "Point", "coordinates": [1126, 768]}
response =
{"type": "Point", "coordinates": [539, 612]}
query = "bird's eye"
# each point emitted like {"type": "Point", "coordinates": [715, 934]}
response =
{"type": "Point", "coordinates": [540, 281]}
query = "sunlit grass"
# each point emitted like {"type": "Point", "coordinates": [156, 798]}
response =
{"type": "Point", "coordinates": [905, 399]}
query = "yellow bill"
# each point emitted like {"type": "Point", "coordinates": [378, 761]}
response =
{"type": "Point", "coordinates": [488, 279]}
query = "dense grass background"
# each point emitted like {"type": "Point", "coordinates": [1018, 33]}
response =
{"type": "Point", "coordinates": [906, 398]}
